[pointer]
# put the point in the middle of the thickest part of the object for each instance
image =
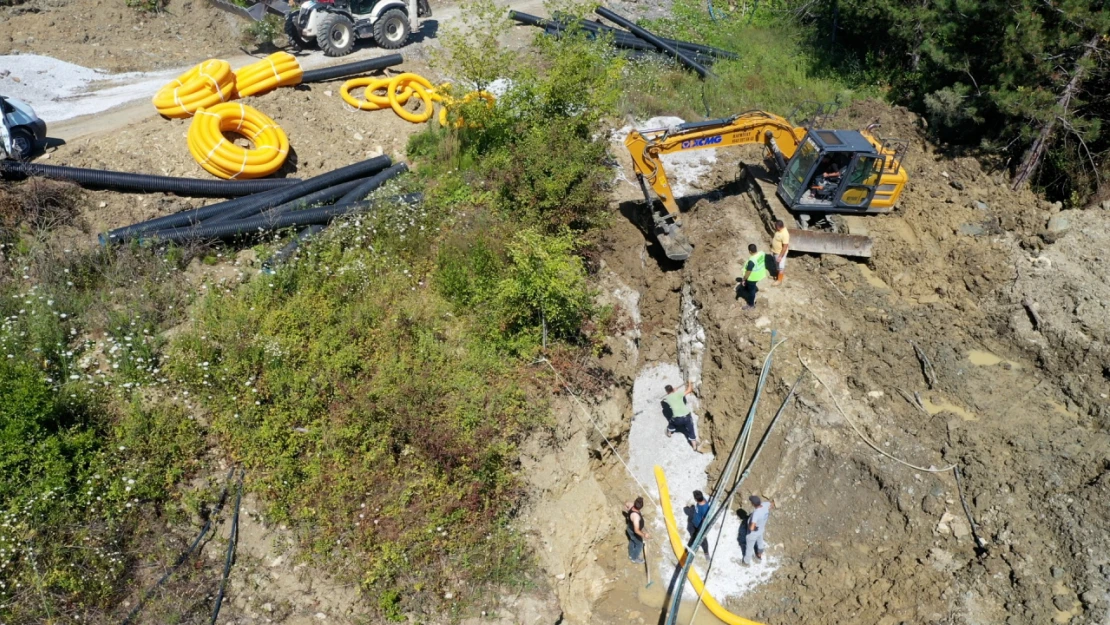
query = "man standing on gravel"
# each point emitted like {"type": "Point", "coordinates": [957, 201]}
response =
{"type": "Point", "coordinates": [757, 523]}
{"type": "Point", "coordinates": [681, 417]}
{"type": "Point", "coordinates": [754, 271]}
{"type": "Point", "coordinates": [780, 245]}
{"type": "Point", "coordinates": [635, 530]}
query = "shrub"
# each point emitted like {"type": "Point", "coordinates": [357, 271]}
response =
{"type": "Point", "coordinates": [263, 32]}
{"type": "Point", "coordinates": [545, 285]}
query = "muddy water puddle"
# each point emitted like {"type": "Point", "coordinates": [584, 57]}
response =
{"type": "Point", "coordinates": [938, 404]}
{"type": "Point", "coordinates": [981, 358]}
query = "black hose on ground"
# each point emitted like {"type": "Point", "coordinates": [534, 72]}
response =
{"type": "Point", "coordinates": [232, 543]}
{"type": "Point", "coordinates": [656, 41]}
{"type": "Point", "coordinates": [351, 69]}
{"type": "Point", "coordinates": [128, 182]}
{"type": "Point", "coordinates": [363, 189]}
{"type": "Point", "coordinates": [266, 221]}
{"type": "Point", "coordinates": [323, 196]}
{"type": "Point", "coordinates": [263, 201]}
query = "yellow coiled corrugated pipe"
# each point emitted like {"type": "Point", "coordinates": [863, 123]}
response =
{"type": "Point", "coordinates": [221, 157]}
{"type": "Point", "coordinates": [207, 84]}
{"type": "Point", "coordinates": [399, 90]}
{"type": "Point", "coordinates": [213, 82]}
{"type": "Point", "coordinates": [280, 69]}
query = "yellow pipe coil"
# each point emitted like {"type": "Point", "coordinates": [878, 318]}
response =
{"type": "Point", "coordinates": [680, 552]}
{"type": "Point", "coordinates": [280, 69]}
{"type": "Point", "coordinates": [207, 84]}
{"type": "Point", "coordinates": [222, 158]}
{"type": "Point", "coordinates": [399, 90]}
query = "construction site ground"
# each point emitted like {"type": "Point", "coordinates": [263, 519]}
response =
{"type": "Point", "coordinates": [976, 335]}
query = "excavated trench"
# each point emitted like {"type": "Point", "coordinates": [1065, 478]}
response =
{"type": "Point", "coordinates": [856, 536]}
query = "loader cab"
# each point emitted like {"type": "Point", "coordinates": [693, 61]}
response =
{"type": "Point", "coordinates": [832, 171]}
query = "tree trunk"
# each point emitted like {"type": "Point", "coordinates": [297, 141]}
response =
{"type": "Point", "coordinates": [1036, 151]}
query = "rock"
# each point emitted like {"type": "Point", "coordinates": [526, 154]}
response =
{"type": "Point", "coordinates": [328, 93]}
{"type": "Point", "coordinates": [1063, 603]}
{"type": "Point", "coordinates": [956, 184]}
{"type": "Point", "coordinates": [1056, 207]}
{"type": "Point", "coordinates": [1057, 572]}
{"type": "Point", "coordinates": [875, 394]}
{"type": "Point", "coordinates": [321, 616]}
{"type": "Point", "coordinates": [943, 526]}
{"type": "Point", "coordinates": [269, 607]}
{"type": "Point", "coordinates": [944, 173]}
{"type": "Point", "coordinates": [357, 136]}
{"type": "Point", "coordinates": [973, 230]}
{"type": "Point", "coordinates": [1105, 205]}
{"type": "Point", "coordinates": [561, 576]}
{"type": "Point", "coordinates": [1059, 224]}
{"type": "Point", "coordinates": [980, 205]}
{"type": "Point", "coordinates": [5, 73]}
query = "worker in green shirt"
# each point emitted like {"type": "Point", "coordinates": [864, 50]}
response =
{"type": "Point", "coordinates": [678, 413]}
{"type": "Point", "coordinates": [754, 271]}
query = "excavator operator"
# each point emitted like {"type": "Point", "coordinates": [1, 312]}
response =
{"type": "Point", "coordinates": [830, 171]}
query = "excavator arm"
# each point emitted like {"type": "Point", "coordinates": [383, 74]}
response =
{"type": "Point", "coordinates": [648, 147]}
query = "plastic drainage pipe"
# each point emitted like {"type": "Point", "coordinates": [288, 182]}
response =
{"type": "Point", "coordinates": [351, 69]}
{"type": "Point", "coordinates": [323, 196]}
{"type": "Point", "coordinates": [655, 41]}
{"type": "Point", "coordinates": [287, 250]}
{"type": "Point", "coordinates": [619, 35]}
{"type": "Point", "coordinates": [261, 201]}
{"type": "Point", "coordinates": [269, 221]}
{"type": "Point", "coordinates": [143, 183]}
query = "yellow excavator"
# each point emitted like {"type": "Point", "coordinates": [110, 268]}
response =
{"type": "Point", "coordinates": [819, 172]}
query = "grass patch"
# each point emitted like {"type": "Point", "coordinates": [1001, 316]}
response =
{"type": "Point", "coordinates": [775, 71]}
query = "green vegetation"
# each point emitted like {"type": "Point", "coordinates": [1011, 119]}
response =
{"type": "Point", "coordinates": [775, 71]}
{"type": "Point", "coordinates": [263, 32]}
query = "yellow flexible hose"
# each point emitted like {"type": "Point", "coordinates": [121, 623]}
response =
{"type": "Point", "coordinates": [370, 100]}
{"type": "Point", "coordinates": [680, 552]}
{"type": "Point", "coordinates": [209, 83]}
{"type": "Point", "coordinates": [221, 157]}
{"type": "Point", "coordinates": [280, 69]}
{"type": "Point", "coordinates": [400, 89]}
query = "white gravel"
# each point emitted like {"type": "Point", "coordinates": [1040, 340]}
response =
{"type": "Point", "coordinates": [58, 90]}
{"type": "Point", "coordinates": [683, 169]}
{"type": "Point", "coordinates": [685, 472]}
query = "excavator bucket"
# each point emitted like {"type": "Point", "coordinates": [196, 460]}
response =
{"type": "Point", "coordinates": [256, 11]}
{"type": "Point", "coordinates": [817, 242]}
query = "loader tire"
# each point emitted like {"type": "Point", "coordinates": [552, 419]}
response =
{"type": "Point", "coordinates": [296, 41]}
{"type": "Point", "coordinates": [392, 29]}
{"type": "Point", "coordinates": [336, 36]}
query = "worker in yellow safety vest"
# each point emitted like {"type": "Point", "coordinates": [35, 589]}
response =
{"type": "Point", "coordinates": [754, 271]}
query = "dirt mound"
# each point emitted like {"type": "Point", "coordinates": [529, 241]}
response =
{"type": "Point", "coordinates": [112, 36]}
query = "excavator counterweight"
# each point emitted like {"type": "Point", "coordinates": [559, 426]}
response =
{"type": "Point", "coordinates": [817, 173]}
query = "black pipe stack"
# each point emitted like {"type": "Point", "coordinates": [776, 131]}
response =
{"type": "Point", "coordinates": [639, 40]}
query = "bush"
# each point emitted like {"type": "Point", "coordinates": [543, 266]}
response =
{"type": "Point", "coordinates": [377, 423]}
{"type": "Point", "coordinates": [545, 285]}
{"type": "Point", "coordinates": [263, 32]}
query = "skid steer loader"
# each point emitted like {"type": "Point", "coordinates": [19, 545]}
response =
{"type": "Point", "coordinates": [815, 173]}
{"type": "Point", "coordinates": [335, 25]}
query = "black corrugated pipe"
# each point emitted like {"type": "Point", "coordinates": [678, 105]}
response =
{"type": "Point", "coordinates": [362, 190]}
{"type": "Point", "coordinates": [267, 221]}
{"type": "Point", "coordinates": [351, 69]}
{"type": "Point", "coordinates": [254, 225]}
{"type": "Point", "coordinates": [124, 181]}
{"type": "Point", "coordinates": [656, 41]}
{"type": "Point", "coordinates": [629, 42]}
{"type": "Point", "coordinates": [272, 198]}
{"type": "Point", "coordinates": [323, 196]}
{"type": "Point", "coordinates": [533, 20]}
{"type": "Point", "coordinates": [287, 250]}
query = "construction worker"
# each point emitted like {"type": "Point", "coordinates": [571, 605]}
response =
{"type": "Point", "coordinates": [681, 417]}
{"type": "Point", "coordinates": [754, 271]}
{"type": "Point", "coordinates": [757, 523]}
{"type": "Point", "coordinates": [780, 245]}
{"type": "Point", "coordinates": [635, 530]}
{"type": "Point", "coordinates": [701, 509]}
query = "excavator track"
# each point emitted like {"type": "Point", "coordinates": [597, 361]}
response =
{"type": "Point", "coordinates": [760, 187]}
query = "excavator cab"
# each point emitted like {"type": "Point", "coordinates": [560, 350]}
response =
{"type": "Point", "coordinates": [833, 171]}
